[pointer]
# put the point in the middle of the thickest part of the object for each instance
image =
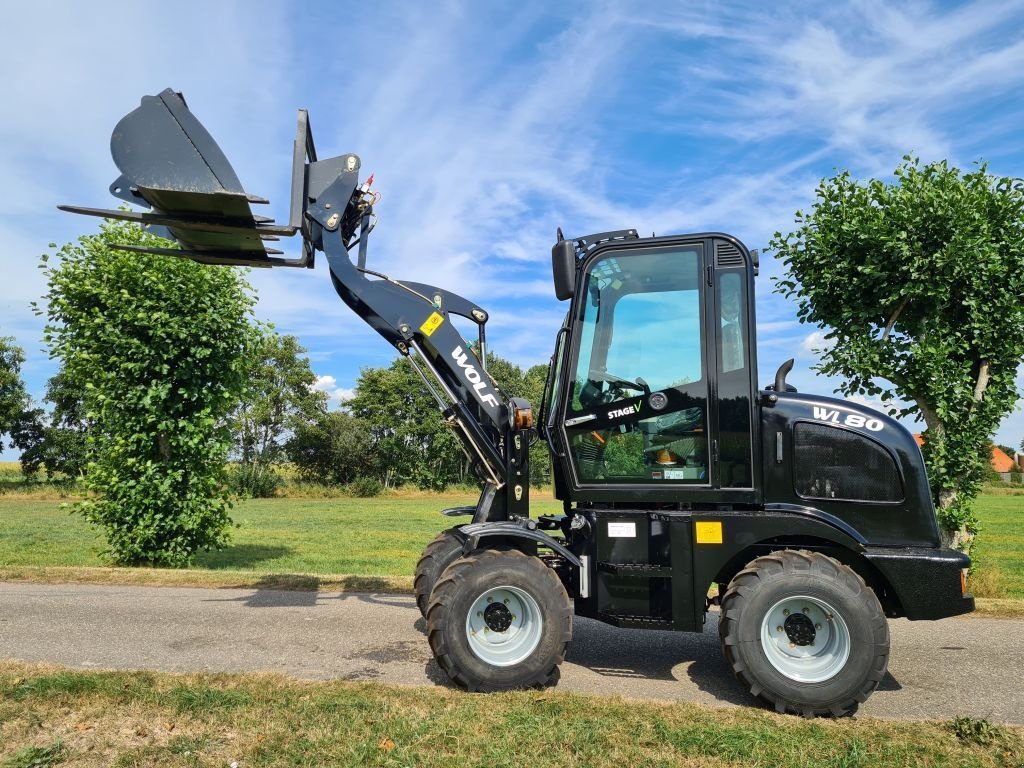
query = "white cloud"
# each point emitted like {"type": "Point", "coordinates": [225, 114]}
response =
{"type": "Point", "coordinates": [335, 394]}
{"type": "Point", "coordinates": [875, 404]}
{"type": "Point", "coordinates": [815, 342]}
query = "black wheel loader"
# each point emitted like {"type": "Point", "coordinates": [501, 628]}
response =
{"type": "Point", "coordinates": [675, 469]}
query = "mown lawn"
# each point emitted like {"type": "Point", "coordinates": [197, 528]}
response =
{"type": "Point", "coordinates": [381, 536]}
{"type": "Point", "coordinates": [1001, 541]}
{"type": "Point", "coordinates": [52, 716]}
{"type": "Point", "coordinates": [377, 537]}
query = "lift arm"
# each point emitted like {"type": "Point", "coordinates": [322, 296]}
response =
{"type": "Point", "coordinates": [170, 164]}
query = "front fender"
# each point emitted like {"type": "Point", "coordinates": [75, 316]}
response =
{"type": "Point", "coordinates": [511, 529]}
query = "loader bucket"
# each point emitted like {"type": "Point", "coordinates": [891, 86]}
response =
{"type": "Point", "coordinates": [168, 160]}
{"type": "Point", "coordinates": [171, 164]}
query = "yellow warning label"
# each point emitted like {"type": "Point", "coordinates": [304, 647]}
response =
{"type": "Point", "coordinates": [709, 533]}
{"type": "Point", "coordinates": [431, 324]}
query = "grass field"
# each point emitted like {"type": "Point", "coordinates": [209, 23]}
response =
{"type": "Point", "coordinates": [51, 716]}
{"type": "Point", "coordinates": [1001, 542]}
{"type": "Point", "coordinates": [377, 536]}
{"type": "Point", "coordinates": [382, 536]}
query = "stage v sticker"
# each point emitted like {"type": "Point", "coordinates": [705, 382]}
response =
{"type": "Point", "coordinates": [431, 324]}
{"type": "Point", "coordinates": [621, 530]}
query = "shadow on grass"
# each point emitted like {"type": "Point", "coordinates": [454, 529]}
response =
{"type": "Point", "coordinates": [239, 556]}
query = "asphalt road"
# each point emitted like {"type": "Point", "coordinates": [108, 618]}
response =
{"type": "Point", "coordinates": [969, 666]}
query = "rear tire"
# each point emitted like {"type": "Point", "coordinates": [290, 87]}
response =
{"type": "Point", "coordinates": [804, 633]}
{"type": "Point", "coordinates": [445, 549]}
{"type": "Point", "coordinates": [499, 620]}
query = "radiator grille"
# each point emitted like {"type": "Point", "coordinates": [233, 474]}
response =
{"type": "Point", "coordinates": [834, 463]}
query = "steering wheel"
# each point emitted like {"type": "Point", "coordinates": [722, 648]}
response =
{"type": "Point", "coordinates": [619, 387]}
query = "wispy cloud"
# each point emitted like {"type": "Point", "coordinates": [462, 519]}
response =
{"type": "Point", "coordinates": [488, 127]}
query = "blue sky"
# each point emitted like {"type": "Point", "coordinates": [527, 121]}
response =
{"type": "Point", "coordinates": [488, 125]}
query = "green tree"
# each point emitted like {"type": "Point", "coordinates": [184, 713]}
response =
{"type": "Point", "coordinates": [160, 344]}
{"type": "Point", "coordinates": [920, 285]}
{"type": "Point", "coordinates": [409, 438]}
{"type": "Point", "coordinates": [334, 448]}
{"type": "Point", "coordinates": [279, 397]}
{"type": "Point", "coordinates": [58, 440]}
{"type": "Point", "coordinates": [14, 400]}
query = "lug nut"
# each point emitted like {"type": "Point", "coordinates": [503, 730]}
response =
{"type": "Point", "coordinates": [506, 601]}
{"type": "Point", "coordinates": [817, 626]}
{"type": "Point", "coordinates": [480, 614]}
{"type": "Point", "coordinates": [792, 645]}
{"type": "Point", "coordinates": [778, 628]}
{"type": "Point", "coordinates": [785, 611]}
{"type": "Point", "coordinates": [806, 609]}
{"type": "Point", "coordinates": [489, 599]}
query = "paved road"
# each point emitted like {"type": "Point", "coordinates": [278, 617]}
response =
{"type": "Point", "coordinates": [937, 670]}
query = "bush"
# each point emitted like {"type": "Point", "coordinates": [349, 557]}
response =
{"type": "Point", "coordinates": [158, 347]}
{"type": "Point", "coordinates": [365, 487]}
{"type": "Point", "coordinates": [333, 449]}
{"type": "Point", "coordinates": [254, 481]}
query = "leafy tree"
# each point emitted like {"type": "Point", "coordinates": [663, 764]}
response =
{"type": "Point", "coordinates": [409, 438]}
{"type": "Point", "coordinates": [58, 441]}
{"type": "Point", "coordinates": [920, 284]}
{"type": "Point", "coordinates": [14, 400]}
{"type": "Point", "coordinates": [279, 396]}
{"type": "Point", "coordinates": [334, 448]}
{"type": "Point", "coordinates": [160, 344]}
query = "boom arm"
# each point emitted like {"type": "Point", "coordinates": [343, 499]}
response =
{"type": "Point", "coordinates": [171, 164]}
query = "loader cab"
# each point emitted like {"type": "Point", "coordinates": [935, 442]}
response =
{"type": "Point", "coordinates": [653, 392]}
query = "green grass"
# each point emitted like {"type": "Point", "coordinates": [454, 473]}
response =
{"type": "Point", "coordinates": [382, 536]}
{"type": "Point", "coordinates": [1001, 542]}
{"type": "Point", "coordinates": [378, 537]}
{"type": "Point", "coordinates": [54, 716]}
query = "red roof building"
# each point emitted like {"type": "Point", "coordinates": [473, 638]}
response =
{"type": "Point", "coordinates": [999, 460]}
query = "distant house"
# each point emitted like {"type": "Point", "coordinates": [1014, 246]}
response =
{"type": "Point", "coordinates": [1000, 462]}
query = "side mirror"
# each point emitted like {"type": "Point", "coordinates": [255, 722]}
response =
{"type": "Point", "coordinates": [563, 269]}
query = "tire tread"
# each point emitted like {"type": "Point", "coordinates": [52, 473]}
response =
{"type": "Point", "coordinates": [801, 561]}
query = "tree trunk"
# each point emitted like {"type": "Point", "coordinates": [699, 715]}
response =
{"type": "Point", "coordinates": [958, 539]}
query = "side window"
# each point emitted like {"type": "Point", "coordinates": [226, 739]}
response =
{"type": "Point", "coordinates": [732, 343]}
{"type": "Point", "coordinates": [733, 383]}
{"type": "Point", "coordinates": [833, 463]}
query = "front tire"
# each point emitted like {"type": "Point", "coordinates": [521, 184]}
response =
{"type": "Point", "coordinates": [499, 620]}
{"type": "Point", "coordinates": [444, 550]}
{"type": "Point", "coordinates": [804, 633]}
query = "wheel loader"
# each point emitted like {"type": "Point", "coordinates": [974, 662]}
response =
{"type": "Point", "coordinates": [808, 520]}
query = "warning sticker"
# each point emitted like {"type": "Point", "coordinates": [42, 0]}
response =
{"type": "Point", "coordinates": [708, 533]}
{"type": "Point", "coordinates": [622, 530]}
{"type": "Point", "coordinates": [431, 324]}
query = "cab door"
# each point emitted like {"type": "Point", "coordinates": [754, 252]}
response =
{"type": "Point", "coordinates": [637, 406]}
{"type": "Point", "coordinates": [652, 336]}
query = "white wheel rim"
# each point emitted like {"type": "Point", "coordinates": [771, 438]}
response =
{"type": "Point", "coordinates": [504, 626]}
{"type": "Point", "coordinates": [805, 639]}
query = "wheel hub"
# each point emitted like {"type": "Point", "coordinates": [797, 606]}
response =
{"type": "Point", "coordinates": [504, 626]}
{"type": "Point", "coordinates": [805, 639]}
{"type": "Point", "coordinates": [498, 618]}
{"type": "Point", "coordinates": [799, 629]}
